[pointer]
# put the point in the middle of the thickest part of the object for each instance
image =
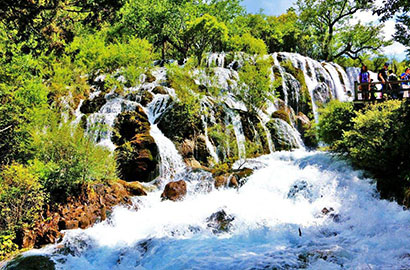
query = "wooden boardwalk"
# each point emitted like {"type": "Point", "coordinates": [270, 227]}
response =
{"type": "Point", "coordinates": [394, 90]}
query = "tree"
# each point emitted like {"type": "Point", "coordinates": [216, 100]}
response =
{"type": "Point", "coordinates": [49, 24]}
{"type": "Point", "coordinates": [255, 85]}
{"type": "Point", "coordinates": [204, 34]}
{"type": "Point", "coordinates": [389, 9]}
{"type": "Point", "coordinates": [333, 35]}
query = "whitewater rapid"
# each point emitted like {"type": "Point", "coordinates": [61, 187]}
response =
{"type": "Point", "coordinates": [286, 193]}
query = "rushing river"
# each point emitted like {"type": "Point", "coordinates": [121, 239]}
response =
{"type": "Point", "coordinates": [277, 222]}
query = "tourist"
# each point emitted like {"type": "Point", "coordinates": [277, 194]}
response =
{"type": "Point", "coordinates": [364, 77]}
{"type": "Point", "coordinates": [394, 88]}
{"type": "Point", "coordinates": [406, 85]}
{"type": "Point", "coordinates": [383, 76]}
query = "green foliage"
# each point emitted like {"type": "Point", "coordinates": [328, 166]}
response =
{"type": "Point", "coordinates": [7, 246]}
{"type": "Point", "coordinates": [93, 53]}
{"type": "Point", "coordinates": [255, 86]}
{"type": "Point", "coordinates": [225, 140]}
{"type": "Point", "coordinates": [375, 139]}
{"type": "Point", "coordinates": [248, 44]}
{"type": "Point", "coordinates": [187, 91]}
{"type": "Point", "coordinates": [368, 141]}
{"type": "Point", "coordinates": [66, 159]}
{"type": "Point", "coordinates": [21, 197]}
{"type": "Point", "coordinates": [331, 36]}
{"type": "Point", "coordinates": [335, 119]}
{"type": "Point", "coordinates": [204, 34]}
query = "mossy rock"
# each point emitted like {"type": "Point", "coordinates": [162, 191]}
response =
{"type": "Point", "coordinates": [159, 90]}
{"type": "Point", "coordinates": [94, 105]}
{"type": "Point", "coordinates": [150, 78]}
{"type": "Point", "coordinates": [138, 160]}
{"type": "Point", "coordinates": [146, 98]}
{"type": "Point", "coordinates": [281, 114]}
{"type": "Point", "coordinates": [283, 135]}
{"type": "Point", "coordinates": [128, 124]}
{"type": "Point", "coordinates": [179, 123]}
{"type": "Point", "coordinates": [36, 262]}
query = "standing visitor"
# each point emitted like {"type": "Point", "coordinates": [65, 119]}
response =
{"type": "Point", "coordinates": [405, 86]}
{"type": "Point", "coordinates": [394, 88]}
{"type": "Point", "coordinates": [383, 76]}
{"type": "Point", "coordinates": [364, 77]}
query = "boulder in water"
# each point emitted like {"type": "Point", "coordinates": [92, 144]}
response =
{"type": "Point", "coordinates": [159, 90]}
{"type": "Point", "coordinates": [37, 262]}
{"type": "Point", "coordinates": [146, 98]}
{"type": "Point", "coordinates": [149, 77]}
{"type": "Point", "coordinates": [129, 124]}
{"type": "Point", "coordinates": [220, 222]}
{"type": "Point", "coordinates": [93, 105]}
{"type": "Point", "coordinates": [137, 153]}
{"type": "Point", "coordinates": [174, 191]}
{"type": "Point", "coordinates": [226, 180]}
{"type": "Point", "coordinates": [283, 135]}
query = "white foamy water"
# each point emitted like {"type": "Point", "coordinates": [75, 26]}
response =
{"type": "Point", "coordinates": [287, 192]}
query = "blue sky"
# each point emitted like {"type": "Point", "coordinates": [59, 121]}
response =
{"type": "Point", "coordinates": [270, 7]}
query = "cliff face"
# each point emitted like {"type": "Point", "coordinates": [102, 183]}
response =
{"type": "Point", "coordinates": [216, 126]}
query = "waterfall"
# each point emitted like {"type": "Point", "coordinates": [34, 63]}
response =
{"type": "Point", "coordinates": [238, 130]}
{"type": "Point", "coordinates": [299, 210]}
{"type": "Point", "coordinates": [172, 163]}
{"type": "Point", "coordinates": [338, 87]}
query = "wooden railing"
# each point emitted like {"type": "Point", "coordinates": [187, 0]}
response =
{"type": "Point", "coordinates": [371, 93]}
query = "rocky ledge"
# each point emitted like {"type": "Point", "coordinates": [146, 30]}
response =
{"type": "Point", "coordinates": [93, 205]}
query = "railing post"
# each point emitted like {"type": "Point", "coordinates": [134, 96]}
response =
{"type": "Point", "coordinates": [355, 91]}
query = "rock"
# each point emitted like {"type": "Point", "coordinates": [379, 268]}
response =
{"type": "Point", "coordinates": [137, 154]}
{"type": "Point", "coordinates": [178, 123]}
{"type": "Point", "coordinates": [283, 135]}
{"type": "Point", "coordinates": [193, 163]}
{"type": "Point", "coordinates": [159, 90]}
{"type": "Point", "coordinates": [220, 222]}
{"type": "Point", "coordinates": [187, 148]}
{"type": "Point", "coordinates": [304, 125]}
{"type": "Point", "coordinates": [138, 159]}
{"type": "Point", "coordinates": [36, 262]}
{"type": "Point", "coordinates": [201, 152]}
{"type": "Point", "coordinates": [282, 114]}
{"type": "Point", "coordinates": [242, 175]}
{"type": "Point", "coordinates": [134, 188]}
{"type": "Point", "coordinates": [146, 98]}
{"type": "Point", "coordinates": [128, 124]}
{"type": "Point", "coordinates": [226, 180]}
{"type": "Point", "coordinates": [149, 77]}
{"type": "Point", "coordinates": [300, 188]}
{"type": "Point", "coordinates": [174, 191]}
{"type": "Point", "coordinates": [94, 105]}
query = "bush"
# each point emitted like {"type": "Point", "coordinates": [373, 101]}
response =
{"type": "Point", "coordinates": [378, 142]}
{"type": "Point", "coordinates": [247, 44]}
{"type": "Point", "coordinates": [334, 120]}
{"type": "Point", "coordinates": [66, 159]}
{"type": "Point", "coordinates": [21, 203]}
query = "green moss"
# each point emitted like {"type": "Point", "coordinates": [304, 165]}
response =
{"type": "Point", "coordinates": [281, 114]}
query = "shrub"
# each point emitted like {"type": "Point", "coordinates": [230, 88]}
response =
{"type": "Point", "coordinates": [334, 120]}
{"type": "Point", "coordinates": [378, 142]}
{"type": "Point", "coordinates": [247, 44]}
{"type": "Point", "coordinates": [65, 159]}
{"type": "Point", "coordinates": [21, 202]}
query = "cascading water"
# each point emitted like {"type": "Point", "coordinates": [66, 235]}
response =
{"type": "Point", "coordinates": [298, 210]}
